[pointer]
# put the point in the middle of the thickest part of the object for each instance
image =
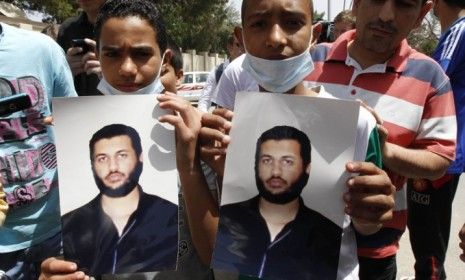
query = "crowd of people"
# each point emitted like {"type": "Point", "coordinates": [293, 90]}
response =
{"type": "Point", "coordinates": [409, 134]}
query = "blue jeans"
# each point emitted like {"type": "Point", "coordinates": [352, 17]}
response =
{"type": "Point", "coordinates": [25, 264]}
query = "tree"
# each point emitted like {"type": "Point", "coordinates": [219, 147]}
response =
{"type": "Point", "coordinates": [424, 38]}
{"type": "Point", "coordinates": [203, 25]}
{"type": "Point", "coordinates": [199, 24]}
{"type": "Point", "coordinates": [55, 10]}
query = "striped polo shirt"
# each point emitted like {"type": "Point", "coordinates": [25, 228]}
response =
{"type": "Point", "coordinates": [412, 95]}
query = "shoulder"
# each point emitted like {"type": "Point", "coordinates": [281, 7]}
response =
{"type": "Point", "coordinates": [69, 23]}
{"type": "Point", "coordinates": [314, 219]}
{"type": "Point", "coordinates": [424, 69]}
{"type": "Point", "coordinates": [81, 214]}
{"type": "Point", "coordinates": [154, 201]}
{"type": "Point", "coordinates": [238, 208]}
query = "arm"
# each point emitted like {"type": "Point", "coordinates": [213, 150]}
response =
{"type": "Point", "coordinates": [201, 207]}
{"type": "Point", "coordinates": [414, 163]}
{"type": "Point", "coordinates": [207, 93]}
{"type": "Point", "coordinates": [462, 242]}
{"type": "Point", "coordinates": [55, 269]}
{"type": "Point", "coordinates": [408, 162]}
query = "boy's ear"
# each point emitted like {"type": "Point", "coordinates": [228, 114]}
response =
{"type": "Point", "coordinates": [179, 76]}
{"type": "Point", "coordinates": [317, 27]}
{"type": "Point", "coordinates": [167, 56]}
{"type": "Point", "coordinates": [238, 34]}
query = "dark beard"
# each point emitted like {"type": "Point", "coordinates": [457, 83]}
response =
{"type": "Point", "coordinates": [125, 188]}
{"type": "Point", "coordinates": [282, 198]}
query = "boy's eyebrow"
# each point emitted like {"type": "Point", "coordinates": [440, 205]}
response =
{"type": "Point", "coordinates": [141, 47]}
{"type": "Point", "coordinates": [286, 12]}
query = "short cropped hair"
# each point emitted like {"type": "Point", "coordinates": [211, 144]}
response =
{"type": "Point", "coordinates": [455, 3]}
{"type": "Point", "coordinates": [285, 132]}
{"type": "Point", "coordinates": [244, 4]}
{"type": "Point", "coordinates": [143, 9]}
{"type": "Point", "coordinates": [114, 130]}
{"type": "Point", "coordinates": [345, 16]}
{"type": "Point", "coordinates": [176, 59]}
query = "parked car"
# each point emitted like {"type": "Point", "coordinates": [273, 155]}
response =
{"type": "Point", "coordinates": [192, 85]}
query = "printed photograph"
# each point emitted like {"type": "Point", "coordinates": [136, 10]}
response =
{"type": "Point", "coordinates": [118, 184]}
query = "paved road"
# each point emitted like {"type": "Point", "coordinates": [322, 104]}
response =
{"type": "Point", "coordinates": [455, 268]}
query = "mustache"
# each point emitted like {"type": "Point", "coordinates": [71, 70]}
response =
{"type": "Point", "coordinates": [114, 172]}
{"type": "Point", "coordinates": [386, 26]}
{"type": "Point", "coordinates": [276, 178]}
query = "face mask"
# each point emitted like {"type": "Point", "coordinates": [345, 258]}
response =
{"type": "Point", "coordinates": [153, 88]}
{"type": "Point", "coordinates": [279, 75]}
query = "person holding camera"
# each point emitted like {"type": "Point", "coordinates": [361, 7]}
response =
{"type": "Point", "coordinates": [76, 37]}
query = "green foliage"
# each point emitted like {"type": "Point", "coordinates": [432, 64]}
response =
{"type": "Point", "coordinates": [203, 25]}
{"type": "Point", "coordinates": [425, 39]}
{"type": "Point", "coordinates": [318, 16]}
{"type": "Point", "coordinates": [56, 10]}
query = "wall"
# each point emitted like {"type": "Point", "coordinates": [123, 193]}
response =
{"type": "Point", "coordinates": [202, 61]}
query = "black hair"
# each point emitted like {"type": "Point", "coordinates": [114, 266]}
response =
{"type": "Point", "coordinates": [114, 130]}
{"type": "Point", "coordinates": [455, 3]}
{"type": "Point", "coordinates": [285, 132]}
{"type": "Point", "coordinates": [244, 3]}
{"type": "Point", "coordinates": [176, 58]}
{"type": "Point", "coordinates": [143, 9]}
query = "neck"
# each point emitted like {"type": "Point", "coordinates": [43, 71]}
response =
{"type": "Point", "coordinates": [365, 57]}
{"type": "Point", "coordinates": [279, 213]}
{"type": "Point", "coordinates": [91, 16]}
{"type": "Point", "coordinates": [450, 16]}
{"type": "Point", "coordinates": [121, 206]}
{"type": "Point", "coordinates": [299, 89]}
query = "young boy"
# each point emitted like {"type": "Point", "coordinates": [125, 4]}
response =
{"type": "Point", "coordinates": [276, 37]}
{"type": "Point", "coordinates": [133, 49]}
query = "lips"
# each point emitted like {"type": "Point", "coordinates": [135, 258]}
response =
{"type": "Point", "coordinates": [128, 87]}
{"type": "Point", "coordinates": [114, 177]}
{"type": "Point", "coordinates": [276, 183]}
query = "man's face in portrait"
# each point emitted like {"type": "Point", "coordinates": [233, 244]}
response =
{"type": "Point", "coordinates": [116, 165]}
{"type": "Point", "coordinates": [281, 171]}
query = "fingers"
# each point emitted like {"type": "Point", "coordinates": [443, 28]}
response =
{"type": "Point", "coordinates": [91, 43]}
{"type": "Point", "coordinates": [370, 195]}
{"type": "Point", "coordinates": [47, 120]}
{"type": "Point", "coordinates": [73, 51]}
{"type": "Point", "coordinates": [462, 242]}
{"type": "Point", "coordinates": [54, 265]}
{"type": "Point", "coordinates": [55, 269]}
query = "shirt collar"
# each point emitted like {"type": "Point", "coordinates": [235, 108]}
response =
{"type": "Point", "coordinates": [339, 52]}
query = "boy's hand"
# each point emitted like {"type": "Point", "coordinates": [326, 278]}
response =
{"type": "Point", "coordinates": [462, 242]}
{"type": "Point", "coordinates": [55, 269]}
{"type": "Point", "coordinates": [186, 121]}
{"type": "Point", "coordinates": [214, 138]}
{"type": "Point", "coordinates": [370, 198]}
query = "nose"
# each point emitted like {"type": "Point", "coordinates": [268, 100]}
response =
{"type": "Point", "coordinates": [276, 169]}
{"type": "Point", "coordinates": [276, 37]}
{"type": "Point", "coordinates": [113, 165]}
{"type": "Point", "coordinates": [128, 68]}
{"type": "Point", "coordinates": [387, 13]}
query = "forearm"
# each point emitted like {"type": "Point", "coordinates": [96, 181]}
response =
{"type": "Point", "coordinates": [202, 210]}
{"type": "Point", "coordinates": [414, 163]}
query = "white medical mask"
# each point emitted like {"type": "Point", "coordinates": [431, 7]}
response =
{"type": "Point", "coordinates": [279, 75]}
{"type": "Point", "coordinates": [154, 87]}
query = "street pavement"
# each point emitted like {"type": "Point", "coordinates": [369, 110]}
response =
{"type": "Point", "coordinates": [455, 268]}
